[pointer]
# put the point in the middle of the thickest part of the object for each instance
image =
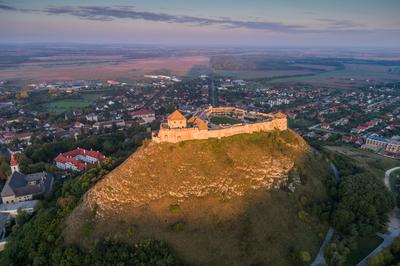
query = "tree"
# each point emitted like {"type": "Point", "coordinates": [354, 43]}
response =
{"type": "Point", "coordinates": [5, 170]}
{"type": "Point", "coordinates": [363, 202]}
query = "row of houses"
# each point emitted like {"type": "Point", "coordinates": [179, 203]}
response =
{"type": "Point", "coordinates": [389, 147]}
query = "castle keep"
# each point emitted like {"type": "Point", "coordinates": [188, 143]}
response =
{"type": "Point", "coordinates": [202, 125]}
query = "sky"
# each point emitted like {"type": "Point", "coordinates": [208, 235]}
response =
{"type": "Point", "coordinates": [285, 23]}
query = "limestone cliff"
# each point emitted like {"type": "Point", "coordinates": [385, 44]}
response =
{"type": "Point", "coordinates": [206, 198]}
{"type": "Point", "coordinates": [227, 168]}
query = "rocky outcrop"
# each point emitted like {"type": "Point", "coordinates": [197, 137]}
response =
{"type": "Point", "coordinates": [228, 168]}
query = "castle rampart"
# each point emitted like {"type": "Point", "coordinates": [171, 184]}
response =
{"type": "Point", "coordinates": [272, 122]}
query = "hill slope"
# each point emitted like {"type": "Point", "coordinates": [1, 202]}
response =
{"type": "Point", "coordinates": [214, 201]}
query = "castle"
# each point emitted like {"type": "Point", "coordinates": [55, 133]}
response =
{"type": "Point", "coordinates": [202, 124]}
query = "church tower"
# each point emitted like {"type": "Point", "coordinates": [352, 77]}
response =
{"type": "Point", "coordinates": [14, 164]}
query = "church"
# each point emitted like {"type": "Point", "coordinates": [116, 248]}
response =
{"type": "Point", "coordinates": [20, 187]}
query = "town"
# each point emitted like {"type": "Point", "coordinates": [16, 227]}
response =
{"type": "Point", "coordinates": [42, 113]}
{"type": "Point", "coordinates": [52, 131]}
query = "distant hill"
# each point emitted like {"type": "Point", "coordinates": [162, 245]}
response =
{"type": "Point", "coordinates": [214, 201]}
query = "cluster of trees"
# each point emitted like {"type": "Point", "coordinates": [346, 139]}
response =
{"type": "Point", "coordinates": [389, 256]}
{"type": "Point", "coordinates": [39, 156]}
{"type": "Point", "coordinates": [361, 204]}
{"type": "Point", "coordinates": [37, 239]}
{"type": "Point", "coordinates": [4, 167]}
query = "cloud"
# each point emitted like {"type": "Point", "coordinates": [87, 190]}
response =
{"type": "Point", "coordinates": [339, 24]}
{"type": "Point", "coordinates": [103, 13]}
{"type": "Point", "coordinates": [7, 8]}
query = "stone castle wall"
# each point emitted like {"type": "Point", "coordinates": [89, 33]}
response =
{"type": "Point", "coordinates": [181, 134]}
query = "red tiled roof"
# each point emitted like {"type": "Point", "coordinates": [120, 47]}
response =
{"type": "Point", "coordinates": [61, 158]}
{"type": "Point", "coordinates": [13, 162]}
{"type": "Point", "coordinates": [79, 151]}
{"type": "Point", "coordinates": [70, 157]}
{"type": "Point", "coordinates": [141, 112]}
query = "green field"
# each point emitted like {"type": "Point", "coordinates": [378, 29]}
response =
{"type": "Point", "coordinates": [374, 163]}
{"type": "Point", "coordinates": [218, 120]}
{"type": "Point", "coordinates": [64, 105]}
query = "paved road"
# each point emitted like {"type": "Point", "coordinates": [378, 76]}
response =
{"type": "Point", "coordinates": [318, 128]}
{"type": "Point", "coordinates": [320, 259]}
{"type": "Point", "coordinates": [213, 93]}
{"type": "Point", "coordinates": [155, 97]}
{"type": "Point", "coordinates": [393, 226]}
{"type": "Point", "coordinates": [387, 177]}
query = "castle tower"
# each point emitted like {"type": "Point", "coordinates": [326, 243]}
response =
{"type": "Point", "coordinates": [14, 164]}
{"type": "Point", "coordinates": [176, 120]}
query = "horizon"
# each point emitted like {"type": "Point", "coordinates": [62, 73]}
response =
{"type": "Point", "coordinates": [309, 23]}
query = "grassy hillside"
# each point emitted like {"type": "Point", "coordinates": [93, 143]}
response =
{"type": "Point", "coordinates": [214, 201]}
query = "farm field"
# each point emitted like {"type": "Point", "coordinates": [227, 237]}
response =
{"type": "Point", "coordinates": [257, 74]}
{"type": "Point", "coordinates": [99, 67]}
{"type": "Point", "coordinates": [351, 75]}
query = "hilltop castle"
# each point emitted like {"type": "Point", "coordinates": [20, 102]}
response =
{"type": "Point", "coordinates": [202, 125]}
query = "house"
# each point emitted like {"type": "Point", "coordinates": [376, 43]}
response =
{"type": "Point", "coordinates": [109, 124]}
{"type": "Point", "coordinates": [393, 148]}
{"type": "Point", "coordinates": [147, 115]}
{"type": "Point", "coordinates": [20, 187]}
{"type": "Point", "coordinates": [8, 137]}
{"type": "Point", "coordinates": [78, 159]}
{"type": "Point", "coordinates": [12, 208]}
{"type": "Point", "coordinates": [78, 124]}
{"type": "Point", "coordinates": [377, 141]}
{"type": "Point", "coordinates": [326, 126]}
{"type": "Point", "coordinates": [92, 117]}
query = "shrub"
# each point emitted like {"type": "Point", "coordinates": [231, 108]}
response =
{"type": "Point", "coordinates": [178, 226]}
{"type": "Point", "coordinates": [174, 208]}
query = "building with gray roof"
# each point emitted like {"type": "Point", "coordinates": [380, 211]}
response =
{"type": "Point", "coordinates": [20, 187]}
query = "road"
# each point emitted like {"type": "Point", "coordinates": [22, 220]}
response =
{"type": "Point", "coordinates": [393, 226]}
{"type": "Point", "coordinates": [317, 128]}
{"type": "Point", "coordinates": [387, 177]}
{"type": "Point", "coordinates": [212, 93]}
{"type": "Point", "coordinates": [156, 96]}
{"type": "Point", "coordinates": [320, 259]}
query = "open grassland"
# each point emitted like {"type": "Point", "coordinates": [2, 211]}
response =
{"type": "Point", "coordinates": [374, 163]}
